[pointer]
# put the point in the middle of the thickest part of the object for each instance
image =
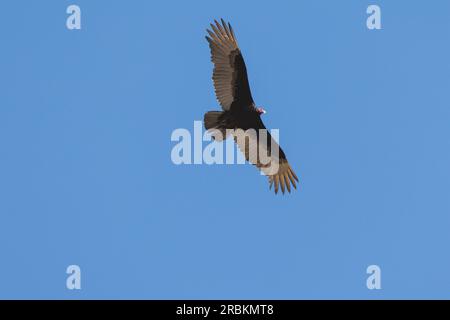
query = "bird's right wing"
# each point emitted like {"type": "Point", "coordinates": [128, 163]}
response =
{"type": "Point", "coordinates": [230, 74]}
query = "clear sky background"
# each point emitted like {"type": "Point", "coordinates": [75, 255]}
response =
{"type": "Point", "coordinates": [86, 176]}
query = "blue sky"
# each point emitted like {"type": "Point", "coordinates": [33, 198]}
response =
{"type": "Point", "coordinates": [86, 176]}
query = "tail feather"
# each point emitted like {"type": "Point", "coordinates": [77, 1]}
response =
{"type": "Point", "coordinates": [217, 120]}
{"type": "Point", "coordinates": [212, 119]}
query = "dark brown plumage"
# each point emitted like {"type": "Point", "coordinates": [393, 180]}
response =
{"type": "Point", "coordinates": [239, 111]}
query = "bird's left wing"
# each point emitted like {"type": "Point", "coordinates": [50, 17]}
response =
{"type": "Point", "coordinates": [261, 149]}
{"type": "Point", "coordinates": [230, 74]}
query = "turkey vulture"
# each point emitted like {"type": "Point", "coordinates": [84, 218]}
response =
{"type": "Point", "coordinates": [239, 110]}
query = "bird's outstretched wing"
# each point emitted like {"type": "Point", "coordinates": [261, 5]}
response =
{"type": "Point", "coordinates": [230, 74]}
{"type": "Point", "coordinates": [260, 149]}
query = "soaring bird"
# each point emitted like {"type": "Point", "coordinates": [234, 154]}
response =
{"type": "Point", "coordinates": [240, 112]}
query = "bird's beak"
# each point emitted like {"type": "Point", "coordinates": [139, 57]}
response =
{"type": "Point", "coordinates": [264, 111]}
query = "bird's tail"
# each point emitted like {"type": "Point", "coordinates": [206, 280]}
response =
{"type": "Point", "coordinates": [212, 119]}
{"type": "Point", "coordinates": [218, 120]}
